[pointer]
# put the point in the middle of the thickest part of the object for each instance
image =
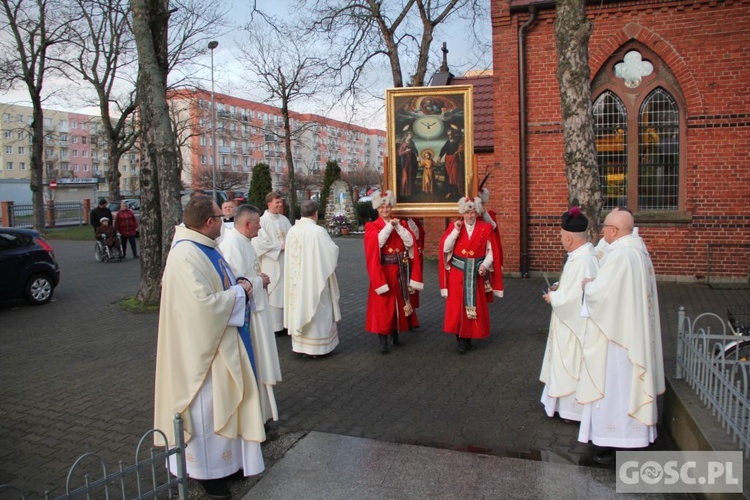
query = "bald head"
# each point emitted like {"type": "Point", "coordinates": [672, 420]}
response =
{"type": "Point", "coordinates": [618, 223]}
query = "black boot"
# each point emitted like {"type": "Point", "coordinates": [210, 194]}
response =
{"type": "Point", "coordinates": [394, 339]}
{"type": "Point", "coordinates": [383, 343]}
{"type": "Point", "coordinates": [468, 344]}
{"type": "Point", "coordinates": [461, 345]}
{"type": "Point", "coordinates": [216, 489]}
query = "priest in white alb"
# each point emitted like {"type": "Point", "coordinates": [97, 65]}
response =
{"type": "Point", "coordinates": [311, 289]}
{"type": "Point", "coordinates": [622, 348]}
{"type": "Point", "coordinates": [269, 247]}
{"type": "Point", "coordinates": [240, 254]}
{"type": "Point", "coordinates": [563, 355]}
{"type": "Point", "coordinates": [203, 369]}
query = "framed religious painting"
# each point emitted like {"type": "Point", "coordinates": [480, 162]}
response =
{"type": "Point", "coordinates": [430, 148]}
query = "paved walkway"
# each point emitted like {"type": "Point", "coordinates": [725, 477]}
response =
{"type": "Point", "coordinates": [78, 375]}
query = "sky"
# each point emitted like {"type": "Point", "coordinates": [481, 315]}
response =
{"type": "Point", "coordinates": [229, 78]}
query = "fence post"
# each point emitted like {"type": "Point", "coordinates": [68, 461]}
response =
{"type": "Point", "coordinates": [7, 209]}
{"type": "Point", "coordinates": [86, 210]}
{"type": "Point", "coordinates": [179, 441]}
{"type": "Point", "coordinates": [50, 213]}
{"type": "Point", "coordinates": [680, 340]}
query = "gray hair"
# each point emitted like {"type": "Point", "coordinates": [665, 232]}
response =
{"type": "Point", "coordinates": [308, 208]}
{"type": "Point", "coordinates": [244, 211]}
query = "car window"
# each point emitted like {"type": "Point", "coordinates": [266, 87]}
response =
{"type": "Point", "coordinates": [9, 241]}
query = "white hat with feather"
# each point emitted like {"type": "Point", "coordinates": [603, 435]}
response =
{"type": "Point", "coordinates": [379, 199]}
{"type": "Point", "coordinates": [466, 204]}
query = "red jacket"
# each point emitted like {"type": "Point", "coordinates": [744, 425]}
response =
{"type": "Point", "coordinates": [126, 223]}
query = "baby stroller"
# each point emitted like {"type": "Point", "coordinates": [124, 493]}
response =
{"type": "Point", "coordinates": [106, 253]}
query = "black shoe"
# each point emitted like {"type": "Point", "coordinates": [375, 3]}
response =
{"type": "Point", "coordinates": [605, 457]}
{"type": "Point", "coordinates": [461, 345]}
{"type": "Point", "coordinates": [215, 488]}
{"type": "Point", "coordinates": [281, 333]}
{"type": "Point", "coordinates": [394, 339]}
{"type": "Point", "coordinates": [383, 343]}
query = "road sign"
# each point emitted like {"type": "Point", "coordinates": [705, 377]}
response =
{"type": "Point", "coordinates": [52, 184]}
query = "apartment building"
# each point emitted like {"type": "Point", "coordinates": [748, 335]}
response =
{"type": "Point", "coordinates": [75, 152]}
{"type": "Point", "coordinates": [248, 133]}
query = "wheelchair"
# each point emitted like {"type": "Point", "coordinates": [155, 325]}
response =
{"type": "Point", "coordinates": [104, 253]}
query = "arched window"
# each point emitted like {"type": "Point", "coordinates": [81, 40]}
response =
{"type": "Point", "coordinates": [639, 130]}
{"type": "Point", "coordinates": [658, 152]}
{"type": "Point", "coordinates": [611, 131]}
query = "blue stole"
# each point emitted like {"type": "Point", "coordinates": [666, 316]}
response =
{"type": "Point", "coordinates": [227, 280]}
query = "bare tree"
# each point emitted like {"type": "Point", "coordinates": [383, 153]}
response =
{"type": "Point", "coordinates": [105, 58]}
{"type": "Point", "coordinates": [225, 181]}
{"type": "Point", "coordinates": [363, 178]}
{"type": "Point", "coordinates": [160, 174]}
{"type": "Point", "coordinates": [362, 31]}
{"type": "Point", "coordinates": [286, 69]}
{"type": "Point", "coordinates": [35, 28]}
{"type": "Point", "coordinates": [192, 24]}
{"type": "Point", "coordinates": [572, 32]}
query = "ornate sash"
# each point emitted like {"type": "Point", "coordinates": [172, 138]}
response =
{"type": "Point", "coordinates": [470, 267]}
{"type": "Point", "coordinates": [401, 259]}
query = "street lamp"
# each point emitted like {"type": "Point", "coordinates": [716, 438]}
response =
{"type": "Point", "coordinates": [212, 45]}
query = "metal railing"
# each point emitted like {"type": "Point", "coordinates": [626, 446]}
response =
{"type": "Point", "coordinates": [149, 477]}
{"type": "Point", "coordinates": [67, 213]}
{"type": "Point", "coordinates": [717, 368]}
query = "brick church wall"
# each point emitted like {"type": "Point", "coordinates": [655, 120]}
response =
{"type": "Point", "coordinates": [705, 45]}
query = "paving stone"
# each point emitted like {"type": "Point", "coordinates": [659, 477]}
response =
{"type": "Point", "coordinates": [75, 383]}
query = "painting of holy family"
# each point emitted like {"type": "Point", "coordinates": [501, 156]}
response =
{"type": "Point", "coordinates": [430, 147]}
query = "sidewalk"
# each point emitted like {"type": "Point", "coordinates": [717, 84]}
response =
{"type": "Point", "coordinates": [329, 466]}
{"type": "Point", "coordinates": [78, 377]}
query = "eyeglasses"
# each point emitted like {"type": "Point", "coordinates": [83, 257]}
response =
{"type": "Point", "coordinates": [215, 216]}
{"type": "Point", "coordinates": [610, 225]}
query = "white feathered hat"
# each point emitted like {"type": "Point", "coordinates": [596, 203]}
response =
{"type": "Point", "coordinates": [466, 204]}
{"type": "Point", "coordinates": [378, 199]}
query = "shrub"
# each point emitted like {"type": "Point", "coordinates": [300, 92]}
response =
{"type": "Point", "coordinates": [365, 212]}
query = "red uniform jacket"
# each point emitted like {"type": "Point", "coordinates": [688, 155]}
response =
{"type": "Point", "coordinates": [456, 321]}
{"type": "Point", "coordinates": [385, 311]}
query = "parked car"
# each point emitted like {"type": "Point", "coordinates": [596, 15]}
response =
{"type": "Point", "coordinates": [28, 267]}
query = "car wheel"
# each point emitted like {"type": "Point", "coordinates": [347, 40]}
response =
{"type": "Point", "coordinates": [39, 290]}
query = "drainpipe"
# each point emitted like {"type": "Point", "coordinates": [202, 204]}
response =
{"type": "Point", "coordinates": [522, 138]}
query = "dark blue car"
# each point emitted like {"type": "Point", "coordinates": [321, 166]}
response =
{"type": "Point", "coordinates": [28, 267]}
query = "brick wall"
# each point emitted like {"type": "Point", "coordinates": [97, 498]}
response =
{"type": "Point", "coordinates": [705, 46]}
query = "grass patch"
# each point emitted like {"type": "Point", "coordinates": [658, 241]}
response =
{"type": "Point", "coordinates": [75, 233]}
{"type": "Point", "coordinates": [134, 305]}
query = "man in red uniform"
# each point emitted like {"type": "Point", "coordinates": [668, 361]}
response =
{"type": "Point", "coordinates": [394, 273]}
{"type": "Point", "coordinates": [468, 276]}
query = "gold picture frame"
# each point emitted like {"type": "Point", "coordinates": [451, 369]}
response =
{"type": "Point", "coordinates": [430, 161]}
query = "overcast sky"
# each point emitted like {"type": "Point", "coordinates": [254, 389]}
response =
{"type": "Point", "coordinates": [229, 78]}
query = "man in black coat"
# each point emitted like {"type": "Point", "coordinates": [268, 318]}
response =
{"type": "Point", "coordinates": [99, 212]}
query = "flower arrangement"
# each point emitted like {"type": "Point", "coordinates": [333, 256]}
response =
{"type": "Point", "coordinates": [339, 221]}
